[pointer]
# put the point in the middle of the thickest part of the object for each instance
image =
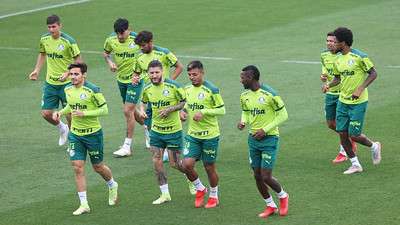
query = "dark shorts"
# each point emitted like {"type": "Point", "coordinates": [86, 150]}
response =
{"type": "Point", "coordinates": [201, 149]}
{"type": "Point", "coordinates": [350, 117]}
{"type": "Point", "coordinates": [53, 95]}
{"type": "Point", "coordinates": [130, 93]}
{"type": "Point", "coordinates": [262, 153]}
{"type": "Point", "coordinates": [330, 106]}
{"type": "Point", "coordinates": [171, 141]}
{"type": "Point", "coordinates": [91, 144]}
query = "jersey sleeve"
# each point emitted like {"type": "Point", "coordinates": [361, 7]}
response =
{"type": "Point", "coordinates": [335, 71]}
{"type": "Point", "coordinates": [107, 46]}
{"type": "Point", "coordinates": [99, 99]}
{"type": "Point", "coordinates": [145, 99]}
{"type": "Point", "coordinates": [217, 100]}
{"type": "Point", "coordinates": [171, 59]}
{"type": "Point", "coordinates": [74, 50]}
{"type": "Point", "coordinates": [366, 64]}
{"type": "Point", "coordinates": [180, 94]}
{"type": "Point", "coordinates": [277, 103]}
{"type": "Point", "coordinates": [41, 47]}
{"type": "Point", "coordinates": [323, 70]}
{"type": "Point", "coordinates": [245, 111]}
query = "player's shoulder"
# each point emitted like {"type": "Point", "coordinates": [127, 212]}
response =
{"type": "Point", "coordinates": [210, 86]}
{"type": "Point", "coordinates": [188, 87]}
{"type": "Point", "coordinates": [358, 53]}
{"type": "Point", "coordinates": [68, 87]}
{"type": "Point", "coordinates": [45, 36]}
{"type": "Point", "coordinates": [147, 86]}
{"type": "Point", "coordinates": [132, 34]}
{"type": "Point", "coordinates": [67, 38]}
{"type": "Point", "coordinates": [161, 49]}
{"type": "Point", "coordinates": [90, 86]}
{"type": "Point", "coordinates": [172, 83]}
{"type": "Point", "coordinates": [245, 93]}
{"type": "Point", "coordinates": [327, 53]}
{"type": "Point", "coordinates": [266, 89]}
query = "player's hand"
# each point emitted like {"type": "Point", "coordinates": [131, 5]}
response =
{"type": "Point", "coordinates": [78, 113]}
{"type": "Point", "coordinates": [198, 116]}
{"type": "Point", "coordinates": [56, 116]}
{"type": "Point", "coordinates": [64, 76]}
{"type": "Point", "coordinates": [325, 88]}
{"type": "Point", "coordinates": [357, 93]}
{"type": "Point", "coordinates": [259, 134]}
{"type": "Point", "coordinates": [241, 125]}
{"type": "Point", "coordinates": [324, 77]}
{"type": "Point", "coordinates": [142, 114]}
{"type": "Point", "coordinates": [34, 75]}
{"type": "Point", "coordinates": [183, 115]}
{"type": "Point", "coordinates": [164, 113]}
{"type": "Point", "coordinates": [113, 67]}
{"type": "Point", "coordinates": [135, 79]}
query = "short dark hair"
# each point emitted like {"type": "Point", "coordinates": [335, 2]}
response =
{"type": "Point", "coordinates": [155, 63]}
{"type": "Point", "coordinates": [143, 37]}
{"type": "Point", "coordinates": [344, 34]}
{"type": "Point", "coordinates": [121, 25]}
{"type": "Point", "coordinates": [330, 34]}
{"type": "Point", "coordinates": [53, 19]}
{"type": "Point", "coordinates": [196, 64]}
{"type": "Point", "coordinates": [81, 66]}
{"type": "Point", "coordinates": [253, 71]}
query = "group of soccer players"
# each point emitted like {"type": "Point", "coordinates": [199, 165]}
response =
{"type": "Point", "coordinates": [143, 74]}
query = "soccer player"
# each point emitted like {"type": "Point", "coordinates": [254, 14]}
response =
{"type": "Point", "coordinates": [355, 72]}
{"type": "Point", "coordinates": [86, 103]}
{"type": "Point", "coordinates": [121, 43]}
{"type": "Point", "coordinates": [203, 104]}
{"type": "Point", "coordinates": [149, 53]}
{"type": "Point", "coordinates": [166, 97]}
{"type": "Point", "coordinates": [59, 50]}
{"type": "Point", "coordinates": [263, 110]}
{"type": "Point", "coordinates": [331, 97]}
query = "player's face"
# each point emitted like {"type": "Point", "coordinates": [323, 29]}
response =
{"type": "Point", "coordinates": [339, 46]}
{"type": "Point", "coordinates": [123, 36]}
{"type": "Point", "coordinates": [155, 74]}
{"type": "Point", "coordinates": [245, 79]}
{"type": "Point", "coordinates": [196, 76]}
{"type": "Point", "coordinates": [331, 43]}
{"type": "Point", "coordinates": [146, 47]}
{"type": "Point", "coordinates": [77, 78]}
{"type": "Point", "coordinates": [54, 29]}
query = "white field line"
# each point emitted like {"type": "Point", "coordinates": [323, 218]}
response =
{"type": "Point", "coordinates": [317, 62]}
{"type": "Point", "coordinates": [99, 52]}
{"type": "Point", "coordinates": [43, 8]}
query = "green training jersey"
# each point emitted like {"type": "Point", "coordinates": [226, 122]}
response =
{"type": "Point", "coordinates": [203, 99]}
{"type": "Point", "coordinates": [327, 60]}
{"type": "Point", "coordinates": [353, 70]}
{"type": "Point", "coordinates": [166, 57]}
{"type": "Point", "coordinates": [164, 95]}
{"type": "Point", "coordinates": [124, 55]}
{"type": "Point", "coordinates": [60, 53]}
{"type": "Point", "coordinates": [260, 108]}
{"type": "Point", "coordinates": [89, 100]}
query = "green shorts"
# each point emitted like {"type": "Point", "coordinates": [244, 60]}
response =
{"type": "Point", "coordinates": [262, 154]}
{"type": "Point", "coordinates": [330, 106]}
{"type": "Point", "coordinates": [350, 117]}
{"type": "Point", "coordinates": [53, 95]}
{"type": "Point", "coordinates": [149, 113]}
{"type": "Point", "coordinates": [80, 146]}
{"type": "Point", "coordinates": [171, 141]}
{"type": "Point", "coordinates": [129, 92]}
{"type": "Point", "coordinates": [204, 149]}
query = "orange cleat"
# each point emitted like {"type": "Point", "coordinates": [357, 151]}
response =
{"type": "Point", "coordinates": [267, 212]}
{"type": "Point", "coordinates": [284, 206]}
{"type": "Point", "coordinates": [212, 203]}
{"type": "Point", "coordinates": [339, 158]}
{"type": "Point", "coordinates": [199, 201]}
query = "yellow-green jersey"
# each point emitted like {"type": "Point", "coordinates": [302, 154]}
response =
{"type": "Point", "coordinates": [124, 55]}
{"type": "Point", "coordinates": [162, 96]}
{"type": "Point", "coordinates": [60, 53]}
{"type": "Point", "coordinates": [91, 102]}
{"type": "Point", "coordinates": [207, 100]}
{"type": "Point", "coordinates": [260, 108]}
{"type": "Point", "coordinates": [353, 70]}
{"type": "Point", "coordinates": [327, 60]}
{"type": "Point", "coordinates": [165, 56]}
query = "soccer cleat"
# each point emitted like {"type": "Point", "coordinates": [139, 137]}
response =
{"type": "Point", "coordinates": [83, 208]}
{"type": "Point", "coordinates": [192, 188]}
{"type": "Point", "coordinates": [63, 136]}
{"type": "Point", "coordinates": [353, 169]}
{"type": "Point", "coordinates": [267, 212]}
{"type": "Point", "coordinates": [376, 154]}
{"type": "Point", "coordinates": [212, 203]}
{"type": "Point", "coordinates": [339, 158]}
{"type": "Point", "coordinates": [284, 206]}
{"type": "Point", "coordinates": [113, 195]}
{"type": "Point", "coordinates": [199, 199]}
{"type": "Point", "coordinates": [164, 197]}
{"type": "Point", "coordinates": [122, 152]}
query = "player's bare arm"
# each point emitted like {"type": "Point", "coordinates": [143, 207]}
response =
{"type": "Point", "coordinates": [165, 112]}
{"type": "Point", "coordinates": [39, 63]}
{"type": "Point", "coordinates": [372, 75]}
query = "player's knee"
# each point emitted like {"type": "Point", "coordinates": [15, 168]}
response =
{"type": "Point", "coordinates": [331, 125]}
{"type": "Point", "coordinates": [97, 167]}
{"type": "Point", "coordinates": [210, 168]}
{"type": "Point", "coordinates": [78, 169]}
{"type": "Point", "coordinates": [355, 137]}
{"type": "Point", "coordinates": [46, 114]}
{"type": "Point", "coordinates": [258, 177]}
{"type": "Point", "coordinates": [187, 165]}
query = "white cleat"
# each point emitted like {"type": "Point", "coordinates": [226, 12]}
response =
{"type": "Point", "coordinates": [113, 195]}
{"type": "Point", "coordinates": [122, 152]}
{"type": "Point", "coordinates": [162, 199]}
{"type": "Point", "coordinates": [353, 169]}
{"type": "Point", "coordinates": [81, 210]}
{"type": "Point", "coordinates": [376, 154]}
{"type": "Point", "coordinates": [63, 136]}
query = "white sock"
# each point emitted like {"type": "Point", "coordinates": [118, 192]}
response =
{"type": "Point", "coordinates": [354, 161]}
{"type": "Point", "coordinates": [342, 151]}
{"type": "Point", "coordinates": [374, 146]}
{"type": "Point", "coordinates": [270, 202]}
{"type": "Point", "coordinates": [61, 126]}
{"type": "Point", "coordinates": [127, 143]}
{"type": "Point", "coordinates": [111, 183]}
{"type": "Point", "coordinates": [82, 197]}
{"type": "Point", "coordinates": [164, 189]}
{"type": "Point", "coordinates": [199, 186]}
{"type": "Point", "coordinates": [282, 194]}
{"type": "Point", "coordinates": [214, 192]}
